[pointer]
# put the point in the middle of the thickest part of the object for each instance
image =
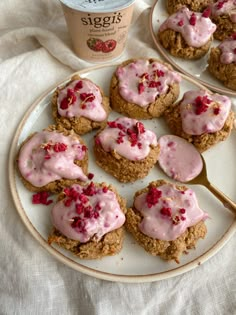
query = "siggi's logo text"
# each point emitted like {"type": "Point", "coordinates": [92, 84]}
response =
{"type": "Point", "coordinates": [105, 21]}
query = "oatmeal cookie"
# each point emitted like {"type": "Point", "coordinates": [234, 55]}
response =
{"type": "Point", "coordinates": [80, 105]}
{"type": "Point", "coordinates": [91, 226]}
{"type": "Point", "coordinates": [143, 88]}
{"type": "Point", "coordinates": [187, 34]}
{"type": "Point", "coordinates": [173, 6]}
{"type": "Point", "coordinates": [126, 150]}
{"type": "Point", "coordinates": [163, 222]}
{"type": "Point", "coordinates": [223, 15]}
{"type": "Point", "coordinates": [202, 118]}
{"type": "Point", "coordinates": [52, 159]}
{"type": "Point", "coordinates": [222, 62]}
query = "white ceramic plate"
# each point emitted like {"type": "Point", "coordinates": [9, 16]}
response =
{"type": "Point", "coordinates": [197, 69]}
{"type": "Point", "coordinates": [133, 264]}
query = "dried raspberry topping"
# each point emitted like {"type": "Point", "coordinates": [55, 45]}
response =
{"type": "Point", "coordinates": [87, 97]}
{"type": "Point", "coordinates": [141, 88]}
{"type": "Point", "coordinates": [176, 220]}
{"type": "Point", "coordinates": [59, 147]}
{"type": "Point", "coordinates": [234, 50]}
{"type": "Point", "coordinates": [78, 85]}
{"type": "Point", "coordinates": [201, 103]}
{"type": "Point", "coordinates": [216, 110]}
{"type": "Point", "coordinates": [105, 189]}
{"type": "Point", "coordinates": [83, 198]}
{"type": "Point", "coordinates": [182, 210]}
{"type": "Point", "coordinates": [140, 127]}
{"type": "Point", "coordinates": [90, 176]}
{"type": "Point", "coordinates": [112, 124]}
{"type": "Point", "coordinates": [79, 224]}
{"type": "Point", "coordinates": [233, 36]}
{"type": "Point", "coordinates": [160, 73]}
{"type": "Point", "coordinates": [181, 23]}
{"type": "Point", "coordinates": [67, 202]}
{"type": "Point", "coordinates": [41, 198]}
{"type": "Point", "coordinates": [84, 148]}
{"type": "Point", "coordinates": [79, 208]}
{"type": "Point", "coordinates": [166, 211]}
{"type": "Point", "coordinates": [71, 193]}
{"type": "Point", "coordinates": [193, 19]}
{"type": "Point", "coordinates": [206, 13]}
{"type": "Point", "coordinates": [150, 81]}
{"type": "Point", "coordinates": [120, 126]}
{"type": "Point", "coordinates": [153, 196]}
{"type": "Point", "coordinates": [144, 76]}
{"type": "Point", "coordinates": [90, 190]}
{"type": "Point", "coordinates": [183, 218]}
{"type": "Point", "coordinates": [154, 84]}
{"type": "Point", "coordinates": [221, 4]}
{"type": "Point", "coordinates": [46, 146]}
{"type": "Point", "coordinates": [68, 100]}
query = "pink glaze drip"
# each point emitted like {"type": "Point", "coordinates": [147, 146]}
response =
{"type": "Point", "coordinates": [89, 109]}
{"type": "Point", "coordinates": [141, 82]}
{"type": "Point", "coordinates": [109, 215]}
{"type": "Point", "coordinates": [160, 220]}
{"type": "Point", "coordinates": [119, 139]}
{"type": "Point", "coordinates": [224, 7]}
{"type": "Point", "coordinates": [178, 158]}
{"type": "Point", "coordinates": [209, 121]}
{"type": "Point", "coordinates": [195, 35]}
{"type": "Point", "coordinates": [228, 51]}
{"type": "Point", "coordinates": [40, 167]}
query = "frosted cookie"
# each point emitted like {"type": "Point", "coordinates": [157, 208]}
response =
{"type": "Point", "coordinates": [223, 14]}
{"type": "Point", "coordinates": [88, 221]}
{"type": "Point", "coordinates": [80, 105]}
{"type": "Point", "coordinates": [126, 149]}
{"type": "Point", "coordinates": [52, 159]}
{"type": "Point", "coordinates": [202, 118]}
{"type": "Point", "coordinates": [143, 88]}
{"type": "Point", "coordinates": [222, 62]}
{"type": "Point", "coordinates": [187, 34]}
{"type": "Point", "coordinates": [166, 219]}
{"type": "Point", "coordinates": [173, 6]}
{"type": "Point", "coordinates": [178, 158]}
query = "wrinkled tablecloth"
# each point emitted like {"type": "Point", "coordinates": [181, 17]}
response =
{"type": "Point", "coordinates": [35, 54]}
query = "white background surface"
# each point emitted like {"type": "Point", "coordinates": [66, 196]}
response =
{"type": "Point", "coordinates": [35, 54]}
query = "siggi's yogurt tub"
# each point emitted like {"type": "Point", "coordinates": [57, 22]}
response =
{"type": "Point", "coordinates": [98, 28]}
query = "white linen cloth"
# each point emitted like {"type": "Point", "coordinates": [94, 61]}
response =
{"type": "Point", "coordinates": [35, 54]}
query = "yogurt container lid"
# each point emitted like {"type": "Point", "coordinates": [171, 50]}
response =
{"type": "Point", "coordinates": [97, 6]}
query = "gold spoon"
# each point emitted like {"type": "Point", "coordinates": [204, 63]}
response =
{"type": "Point", "coordinates": [202, 179]}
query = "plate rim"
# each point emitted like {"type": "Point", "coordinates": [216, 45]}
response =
{"type": "Point", "coordinates": [222, 90]}
{"type": "Point", "coordinates": [12, 174]}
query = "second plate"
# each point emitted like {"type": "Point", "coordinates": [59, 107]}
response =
{"type": "Point", "coordinates": [196, 69]}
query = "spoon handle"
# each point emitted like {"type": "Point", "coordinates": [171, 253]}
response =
{"type": "Point", "coordinates": [227, 202]}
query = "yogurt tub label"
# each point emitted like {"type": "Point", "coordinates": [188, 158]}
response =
{"type": "Point", "coordinates": [98, 29]}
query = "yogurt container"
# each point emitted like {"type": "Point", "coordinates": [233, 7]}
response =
{"type": "Point", "coordinates": [98, 28]}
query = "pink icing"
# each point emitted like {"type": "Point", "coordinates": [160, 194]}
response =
{"type": "Point", "coordinates": [40, 162]}
{"type": "Point", "coordinates": [127, 137]}
{"type": "Point", "coordinates": [141, 82]}
{"type": "Point", "coordinates": [173, 212]}
{"type": "Point", "coordinates": [193, 26]}
{"type": "Point", "coordinates": [228, 51]}
{"type": "Point", "coordinates": [178, 158]}
{"type": "Point", "coordinates": [87, 213]}
{"type": "Point", "coordinates": [202, 112]}
{"type": "Point", "coordinates": [222, 7]}
{"type": "Point", "coordinates": [85, 100]}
